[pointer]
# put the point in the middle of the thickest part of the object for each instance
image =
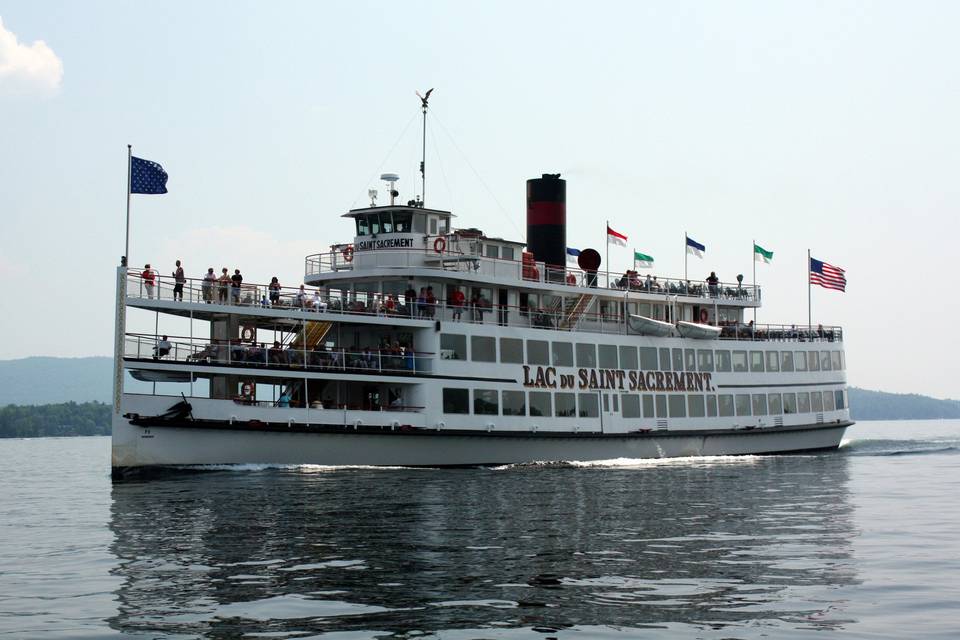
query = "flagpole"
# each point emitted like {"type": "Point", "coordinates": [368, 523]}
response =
{"type": "Point", "coordinates": [809, 296]}
{"type": "Point", "coordinates": [608, 253]}
{"type": "Point", "coordinates": [754, 257]}
{"type": "Point", "coordinates": [685, 276]}
{"type": "Point", "coordinates": [126, 246]}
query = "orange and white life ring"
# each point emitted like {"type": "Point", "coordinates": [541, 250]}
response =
{"type": "Point", "coordinates": [704, 316]}
{"type": "Point", "coordinates": [248, 334]}
{"type": "Point", "coordinates": [571, 279]}
{"type": "Point", "coordinates": [348, 253]}
{"type": "Point", "coordinates": [246, 390]}
{"type": "Point", "coordinates": [440, 244]}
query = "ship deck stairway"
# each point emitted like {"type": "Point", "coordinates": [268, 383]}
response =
{"type": "Point", "coordinates": [574, 310]}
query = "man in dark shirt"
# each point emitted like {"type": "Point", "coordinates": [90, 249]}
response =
{"type": "Point", "coordinates": [410, 298]}
{"type": "Point", "coordinates": [235, 281]}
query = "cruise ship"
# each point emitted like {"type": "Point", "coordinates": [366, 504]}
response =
{"type": "Point", "coordinates": [420, 342]}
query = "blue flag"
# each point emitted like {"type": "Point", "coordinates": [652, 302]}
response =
{"type": "Point", "coordinates": [147, 177]}
{"type": "Point", "coordinates": [572, 255]}
{"type": "Point", "coordinates": [695, 247]}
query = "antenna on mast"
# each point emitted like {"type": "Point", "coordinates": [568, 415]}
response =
{"type": "Point", "coordinates": [423, 162]}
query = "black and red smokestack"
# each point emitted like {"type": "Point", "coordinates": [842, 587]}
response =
{"type": "Point", "coordinates": [547, 220]}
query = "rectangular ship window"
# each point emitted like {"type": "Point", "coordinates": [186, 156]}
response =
{"type": "Point", "coordinates": [739, 361]}
{"type": "Point", "coordinates": [835, 360]}
{"type": "Point", "coordinates": [690, 359]}
{"type": "Point", "coordinates": [695, 406]}
{"type": "Point", "coordinates": [493, 251]}
{"type": "Point", "coordinates": [723, 360]}
{"type": "Point", "coordinates": [485, 402]}
{"type": "Point", "coordinates": [786, 361]}
{"type": "Point", "coordinates": [511, 350]}
{"type": "Point", "coordinates": [843, 361]}
{"type": "Point", "coordinates": [506, 253]}
{"type": "Point", "coordinates": [514, 403]}
{"type": "Point", "coordinates": [678, 359]}
{"type": "Point", "coordinates": [704, 360]}
{"type": "Point", "coordinates": [628, 358]}
{"type": "Point", "coordinates": [453, 346]}
{"type": "Point", "coordinates": [776, 404]}
{"type": "Point", "coordinates": [800, 360]}
{"type": "Point", "coordinates": [756, 361]}
{"type": "Point", "coordinates": [665, 359]}
{"type": "Point", "coordinates": [726, 404]}
{"type": "Point", "coordinates": [803, 402]}
{"type": "Point", "coordinates": [789, 403]}
{"type": "Point", "coordinates": [631, 405]}
{"type": "Point", "coordinates": [711, 406]}
{"type": "Point", "coordinates": [678, 406]}
{"type": "Point", "coordinates": [562, 354]}
{"type": "Point", "coordinates": [586, 355]}
{"type": "Point", "coordinates": [648, 406]}
{"type": "Point", "coordinates": [608, 356]}
{"type": "Point", "coordinates": [540, 404]}
{"type": "Point", "coordinates": [661, 401]}
{"type": "Point", "coordinates": [816, 401]}
{"type": "Point", "coordinates": [828, 401]}
{"type": "Point", "coordinates": [456, 401]}
{"type": "Point", "coordinates": [759, 404]}
{"type": "Point", "coordinates": [589, 407]}
{"type": "Point", "coordinates": [483, 349]}
{"type": "Point", "coordinates": [773, 361]}
{"type": "Point", "coordinates": [813, 361]}
{"type": "Point", "coordinates": [565, 405]}
{"type": "Point", "coordinates": [838, 395]}
{"type": "Point", "coordinates": [743, 404]}
{"type": "Point", "coordinates": [825, 361]}
{"type": "Point", "coordinates": [648, 358]}
{"type": "Point", "coordinates": [537, 353]}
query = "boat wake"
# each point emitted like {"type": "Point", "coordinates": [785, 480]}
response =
{"type": "Point", "coordinates": [881, 447]}
{"type": "Point", "coordinates": [633, 463]}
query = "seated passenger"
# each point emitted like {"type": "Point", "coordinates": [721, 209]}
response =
{"type": "Point", "coordinates": [163, 348]}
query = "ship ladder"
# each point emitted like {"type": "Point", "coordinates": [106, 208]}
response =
{"type": "Point", "coordinates": [315, 333]}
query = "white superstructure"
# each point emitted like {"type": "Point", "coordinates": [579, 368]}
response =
{"type": "Point", "coordinates": [533, 362]}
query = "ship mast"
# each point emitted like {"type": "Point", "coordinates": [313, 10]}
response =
{"type": "Point", "coordinates": [423, 158]}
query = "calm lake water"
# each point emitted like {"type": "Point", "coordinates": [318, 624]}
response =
{"type": "Point", "coordinates": [862, 543]}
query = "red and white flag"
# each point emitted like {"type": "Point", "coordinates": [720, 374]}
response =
{"type": "Point", "coordinates": [616, 238]}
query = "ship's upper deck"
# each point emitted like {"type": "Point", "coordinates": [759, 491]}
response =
{"type": "Point", "coordinates": [411, 241]}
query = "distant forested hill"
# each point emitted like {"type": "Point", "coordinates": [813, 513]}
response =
{"type": "Point", "coordinates": [65, 419]}
{"type": "Point", "coordinates": [50, 380]}
{"type": "Point", "coordinates": [878, 405]}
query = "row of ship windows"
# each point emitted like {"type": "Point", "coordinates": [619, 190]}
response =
{"type": "Point", "coordinates": [635, 405]}
{"type": "Point", "coordinates": [453, 346]}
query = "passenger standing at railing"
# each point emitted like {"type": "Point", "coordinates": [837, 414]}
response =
{"type": "Point", "coordinates": [274, 291]}
{"type": "Point", "coordinates": [431, 302]}
{"type": "Point", "coordinates": [302, 297]}
{"type": "Point", "coordinates": [208, 280]}
{"type": "Point", "coordinates": [235, 281]}
{"type": "Point", "coordinates": [457, 300]}
{"type": "Point", "coordinates": [178, 281]}
{"type": "Point", "coordinates": [149, 279]}
{"type": "Point", "coordinates": [223, 286]}
{"type": "Point", "coordinates": [713, 283]}
{"type": "Point", "coordinates": [422, 302]}
{"type": "Point", "coordinates": [410, 299]}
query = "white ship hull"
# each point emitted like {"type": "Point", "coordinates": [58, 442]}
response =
{"type": "Point", "coordinates": [144, 449]}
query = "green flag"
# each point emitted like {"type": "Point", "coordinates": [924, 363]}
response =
{"type": "Point", "coordinates": [762, 255]}
{"type": "Point", "coordinates": [642, 260]}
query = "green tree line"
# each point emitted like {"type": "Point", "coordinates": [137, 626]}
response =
{"type": "Point", "coordinates": [66, 419]}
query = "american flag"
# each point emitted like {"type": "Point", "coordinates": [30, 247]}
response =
{"type": "Point", "coordinates": [827, 275]}
{"type": "Point", "coordinates": [147, 176]}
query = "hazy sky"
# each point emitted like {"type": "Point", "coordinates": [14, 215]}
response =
{"type": "Point", "coordinates": [832, 126]}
